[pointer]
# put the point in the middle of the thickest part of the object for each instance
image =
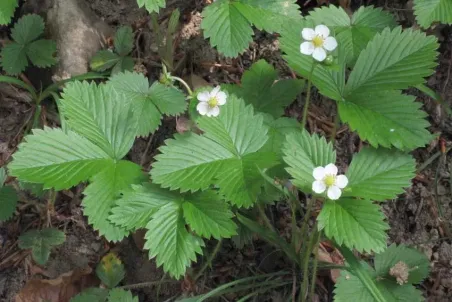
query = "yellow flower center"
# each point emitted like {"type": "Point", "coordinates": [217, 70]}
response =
{"type": "Point", "coordinates": [330, 180]}
{"type": "Point", "coordinates": [318, 41]}
{"type": "Point", "coordinates": [213, 102]}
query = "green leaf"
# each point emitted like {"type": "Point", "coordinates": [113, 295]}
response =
{"type": "Point", "coordinates": [91, 295]}
{"type": "Point", "coordinates": [8, 202]}
{"type": "Point", "coordinates": [387, 118]}
{"type": "Point", "coordinates": [40, 242]}
{"type": "Point", "coordinates": [277, 131]}
{"type": "Point", "coordinates": [148, 103]}
{"type": "Point", "coordinates": [120, 295]}
{"type": "Point", "coordinates": [304, 152]}
{"type": "Point", "coordinates": [393, 59]}
{"type": "Point", "coordinates": [124, 40]}
{"type": "Point", "coordinates": [209, 216]}
{"type": "Point", "coordinates": [99, 114]}
{"type": "Point", "coordinates": [104, 60]}
{"type": "Point", "coordinates": [356, 31]}
{"type": "Point", "coordinates": [27, 29]}
{"type": "Point", "coordinates": [110, 270]}
{"type": "Point", "coordinates": [260, 90]}
{"type": "Point", "coordinates": [7, 8]}
{"type": "Point", "coordinates": [3, 176]}
{"type": "Point", "coordinates": [226, 155]}
{"type": "Point", "coordinates": [124, 64]}
{"type": "Point", "coordinates": [152, 5]}
{"type": "Point", "coordinates": [417, 262]}
{"type": "Point", "coordinates": [429, 11]}
{"type": "Point", "coordinates": [102, 192]}
{"type": "Point", "coordinates": [354, 223]}
{"type": "Point", "coordinates": [330, 82]}
{"type": "Point", "coordinates": [169, 241]}
{"type": "Point", "coordinates": [379, 174]}
{"type": "Point", "coordinates": [14, 58]}
{"type": "Point", "coordinates": [56, 159]}
{"type": "Point", "coordinates": [41, 53]}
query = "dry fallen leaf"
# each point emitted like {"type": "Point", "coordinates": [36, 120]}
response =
{"type": "Point", "coordinates": [333, 257]}
{"type": "Point", "coordinates": [61, 289]}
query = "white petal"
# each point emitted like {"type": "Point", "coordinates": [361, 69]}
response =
{"type": "Point", "coordinates": [204, 96]}
{"type": "Point", "coordinates": [307, 48]}
{"type": "Point", "coordinates": [203, 108]}
{"type": "Point", "coordinates": [215, 111]}
{"type": "Point", "coordinates": [318, 186]}
{"type": "Point", "coordinates": [334, 193]}
{"type": "Point", "coordinates": [308, 34]}
{"type": "Point", "coordinates": [221, 97]}
{"type": "Point", "coordinates": [331, 169]}
{"type": "Point", "coordinates": [341, 181]}
{"type": "Point", "coordinates": [319, 54]}
{"type": "Point", "coordinates": [330, 44]}
{"type": "Point", "coordinates": [319, 173]}
{"type": "Point", "coordinates": [322, 30]}
{"type": "Point", "coordinates": [215, 91]}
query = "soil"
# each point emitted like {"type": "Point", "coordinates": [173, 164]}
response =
{"type": "Point", "coordinates": [420, 218]}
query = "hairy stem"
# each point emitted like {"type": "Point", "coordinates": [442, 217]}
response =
{"type": "Point", "coordinates": [308, 98]}
{"type": "Point", "coordinates": [190, 92]}
{"type": "Point", "coordinates": [209, 260]}
{"type": "Point", "coordinates": [306, 255]}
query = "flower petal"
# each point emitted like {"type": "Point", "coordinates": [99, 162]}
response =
{"type": "Point", "coordinates": [204, 96]}
{"type": "Point", "coordinates": [322, 30]}
{"type": "Point", "coordinates": [215, 91]}
{"type": "Point", "coordinates": [308, 34]}
{"type": "Point", "coordinates": [331, 169]}
{"type": "Point", "coordinates": [341, 181]}
{"type": "Point", "coordinates": [215, 111]}
{"type": "Point", "coordinates": [319, 173]}
{"type": "Point", "coordinates": [221, 97]}
{"type": "Point", "coordinates": [330, 44]}
{"type": "Point", "coordinates": [203, 108]}
{"type": "Point", "coordinates": [307, 48]}
{"type": "Point", "coordinates": [318, 186]}
{"type": "Point", "coordinates": [319, 54]}
{"type": "Point", "coordinates": [334, 193]}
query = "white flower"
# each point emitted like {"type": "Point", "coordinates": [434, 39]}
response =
{"type": "Point", "coordinates": [326, 178]}
{"type": "Point", "coordinates": [210, 102]}
{"type": "Point", "coordinates": [318, 42]}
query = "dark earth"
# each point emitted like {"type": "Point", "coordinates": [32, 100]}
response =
{"type": "Point", "coordinates": [419, 218]}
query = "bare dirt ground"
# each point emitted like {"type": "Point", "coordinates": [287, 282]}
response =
{"type": "Point", "coordinates": [420, 218]}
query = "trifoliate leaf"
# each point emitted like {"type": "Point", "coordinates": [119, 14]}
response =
{"type": "Point", "coordinates": [103, 191]}
{"type": "Point", "coordinates": [27, 29]}
{"type": "Point", "coordinates": [56, 159]}
{"type": "Point", "coordinates": [124, 40]}
{"type": "Point", "coordinates": [91, 295]}
{"type": "Point", "coordinates": [104, 60]}
{"type": "Point", "coordinates": [226, 155]}
{"type": "Point", "coordinates": [120, 295]}
{"type": "Point", "coordinates": [417, 263]}
{"type": "Point", "coordinates": [303, 152]}
{"type": "Point", "coordinates": [169, 241]}
{"type": "Point", "coordinates": [209, 216]}
{"type": "Point", "coordinates": [8, 202]}
{"type": "Point", "coordinates": [228, 23]}
{"type": "Point", "coordinates": [99, 114]}
{"type": "Point", "coordinates": [260, 90]}
{"type": "Point", "coordinates": [393, 59]}
{"type": "Point", "coordinates": [14, 58]}
{"type": "Point", "coordinates": [387, 118]}
{"type": "Point", "coordinates": [330, 82]}
{"type": "Point", "coordinates": [429, 11]}
{"type": "Point", "coordinates": [41, 53]}
{"type": "Point", "coordinates": [7, 8]}
{"type": "Point", "coordinates": [124, 64]}
{"type": "Point", "coordinates": [152, 5]}
{"type": "Point", "coordinates": [149, 103]}
{"type": "Point", "coordinates": [40, 242]}
{"type": "Point", "coordinates": [354, 223]}
{"type": "Point", "coordinates": [379, 174]}
{"type": "Point", "coordinates": [356, 31]}
{"type": "Point", "coordinates": [110, 270]}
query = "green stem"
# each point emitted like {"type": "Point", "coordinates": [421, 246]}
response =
{"type": "Point", "coordinates": [306, 255]}
{"type": "Point", "coordinates": [21, 84]}
{"type": "Point", "coordinates": [315, 265]}
{"type": "Point", "coordinates": [336, 126]}
{"type": "Point", "coordinates": [308, 98]}
{"type": "Point", "coordinates": [264, 217]}
{"type": "Point", "coordinates": [209, 260]}
{"type": "Point", "coordinates": [190, 92]}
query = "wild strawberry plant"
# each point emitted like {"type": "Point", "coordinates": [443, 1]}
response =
{"type": "Point", "coordinates": [7, 8]}
{"type": "Point", "coordinates": [428, 12]}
